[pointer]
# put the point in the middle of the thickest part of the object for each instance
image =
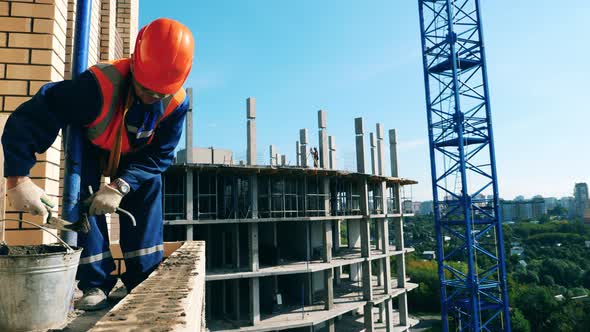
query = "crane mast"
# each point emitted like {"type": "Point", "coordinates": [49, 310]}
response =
{"type": "Point", "coordinates": [470, 250]}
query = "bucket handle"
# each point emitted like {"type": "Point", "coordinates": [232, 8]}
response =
{"type": "Point", "coordinates": [68, 248]}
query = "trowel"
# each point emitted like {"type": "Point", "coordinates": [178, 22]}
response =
{"type": "Point", "coordinates": [57, 223]}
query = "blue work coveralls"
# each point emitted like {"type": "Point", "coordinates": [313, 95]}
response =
{"type": "Point", "coordinates": [34, 126]}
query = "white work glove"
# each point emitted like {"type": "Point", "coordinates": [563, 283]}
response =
{"type": "Point", "coordinates": [28, 197]}
{"type": "Point", "coordinates": [106, 200]}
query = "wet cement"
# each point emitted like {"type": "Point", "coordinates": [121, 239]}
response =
{"type": "Point", "coordinates": [6, 250]}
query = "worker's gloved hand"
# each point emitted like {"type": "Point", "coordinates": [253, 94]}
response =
{"type": "Point", "coordinates": [28, 197]}
{"type": "Point", "coordinates": [106, 200]}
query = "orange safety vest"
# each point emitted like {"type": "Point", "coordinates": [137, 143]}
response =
{"type": "Point", "coordinates": [113, 80]}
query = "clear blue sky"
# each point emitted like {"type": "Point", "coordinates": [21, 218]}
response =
{"type": "Point", "coordinates": [362, 58]}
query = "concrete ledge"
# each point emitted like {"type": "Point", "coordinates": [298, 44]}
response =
{"type": "Point", "coordinates": [171, 299]}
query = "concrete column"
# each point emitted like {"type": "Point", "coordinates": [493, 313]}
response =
{"type": "Point", "coordinates": [188, 134]}
{"type": "Point", "coordinates": [251, 131]}
{"type": "Point", "coordinates": [403, 309]}
{"type": "Point", "coordinates": [332, 146]}
{"type": "Point", "coordinates": [303, 140]}
{"type": "Point", "coordinates": [253, 186]}
{"type": "Point", "coordinates": [369, 321]}
{"type": "Point", "coordinates": [400, 259]}
{"type": "Point", "coordinates": [380, 150]}
{"type": "Point", "coordinates": [384, 222]}
{"type": "Point", "coordinates": [366, 221]}
{"type": "Point", "coordinates": [189, 203]}
{"type": "Point", "coordinates": [381, 318]}
{"type": "Point", "coordinates": [236, 296]}
{"type": "Point", "coordinates": [389, 315]}
{"type": "Point", "coordinates": [283, 160]}
{"type": "Point", "coordinates": [236, 246]}
{"type": "Point", "coordinates": [337, 232]}
{"type": "Point", "coordinates": [331, 324]}
{"type": "Point", "coordinates": [373, 155]}
{"type": "Point", "coordinates": [329, 287]}
{"type": "Point", "coordinates": [387, 275]}
{"type": "Point", "coordinates": [253, 246]}
{"type": "Point", "coordinates": [323, 140]}
{"type": "Point", "coordinates": [354, 234]}
{"type": "Point", "coordinates": [393, 152]}
{"type": "Point", "coordinates": [224, 297]}
{"type": "Point", "coordinates": [327, 241]}
{"type": "Point", "coordinates": [298, 153]}
{"type": "Point", "coordinates": [188, 130]}
{"type": "Point", "coordinates": [380, 275]}
{"type": "Point", "coordinates": [360, 145]}
{"type": "Point", "coordinates": [338, 275]}
{"type": "Point", "coordinates": [273, 155]}
{"type": "Point", "coordinates": [254, 301]}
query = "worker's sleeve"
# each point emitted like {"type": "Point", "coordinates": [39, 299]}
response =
{"type": "Point", "coordinates": [34, 125]}
{"type": "Point", "coordinates": [155, 158]}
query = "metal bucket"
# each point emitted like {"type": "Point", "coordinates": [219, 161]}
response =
{"type": "Point", "coordinates": [36, 291]}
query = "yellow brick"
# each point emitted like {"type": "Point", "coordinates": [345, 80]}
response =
{"type": "Point", "coordinates": [52, 155]}
{"type": "Point", "coordinates": [34, 86]}
{"type": "Point", "coordinates": [1, 108]}
{"type": "Point", "coordinates": [30, 40]}
{"type": "Point", "coordinates": [3, 39]}
{"type": "Point", "coordinates": [14, 55]}
{"type": "Point", "coordinates": [4, 8]}
{"type": "Point", "coordinates": [45, 170]}
{"type": "Point", "coordinates": [43, 25]}
{"type": "Point", "coordinates": [41, 57]}
{"type": "Point", "coordinates": [32, 10]}
{"type": "Point", "coordinates": [11, 103]}
{"type": "Point", "coordinates": [13, 88]}
{"type": "Point", "coordinates": [29, 72]}
{"type": "Point", "coordinates": [51, 186]}
{"type": "Point", "coordinates": [19, 238]}
{"type": "Point", "coordinates": [2, 66]}
{"type": "Point", "coordinates": [19, 24]}
{"type": "Point", "coordinates": [56, 75]}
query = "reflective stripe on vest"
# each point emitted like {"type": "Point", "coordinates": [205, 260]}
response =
{"type": "Point", "coordinates": [114, 82]}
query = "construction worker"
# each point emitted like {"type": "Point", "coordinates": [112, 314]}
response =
{"type": "Point", "coordinates": [132, 112]}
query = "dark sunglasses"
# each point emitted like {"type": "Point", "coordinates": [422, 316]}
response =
{"type": "Point", "coordinates": [149, 92]}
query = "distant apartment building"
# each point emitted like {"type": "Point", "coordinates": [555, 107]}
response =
{"type": "Point", "coordinates": [582, 206]}
{"type": "Point", "coordinates": [521, 209]}
{"type": "Point", "coordinates": [426, 208]}
{"type": "Point", "coordinates": [551, 202]}
{"type": "Point", "coordinates": [569, 203]}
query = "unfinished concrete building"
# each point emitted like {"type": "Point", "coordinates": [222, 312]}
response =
{"type": "Point", "coordinates": [294, 248]}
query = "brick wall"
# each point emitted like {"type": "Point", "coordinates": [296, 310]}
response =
{"type": "Point", "coordinates": [36, 41]}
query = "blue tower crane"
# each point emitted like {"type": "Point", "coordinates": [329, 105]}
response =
{"type": "Point", "coordinates": [470, 249]}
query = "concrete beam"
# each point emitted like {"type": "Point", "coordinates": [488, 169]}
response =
{"type": "Point", "coordinates": [182, 278]}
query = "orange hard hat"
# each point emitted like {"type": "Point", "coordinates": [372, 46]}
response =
{"type": "Point", "coordinates": [163, 55]}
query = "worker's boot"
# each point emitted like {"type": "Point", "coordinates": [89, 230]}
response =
{"type": "Point", "coordinates": [93, 299]}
